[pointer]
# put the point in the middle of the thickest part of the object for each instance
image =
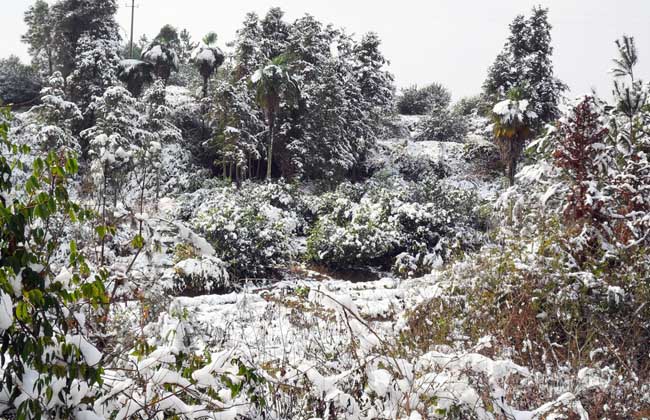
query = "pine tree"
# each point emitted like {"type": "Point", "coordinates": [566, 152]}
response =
{"type": "Point", "coordinates": [630, 127]}
{"type": "Point", "coordinates": [376, 83]}
{"type": "Point", "coordinates": [525, 64]}
{"type": "Point", "coordinates": [248, 52]}
{"type": "Point", "coordinates": [95, 70]}
{"type": "Point", "coordinates": [19, 83]}
{"type": "Point", "coordinates": [185, 46]}
{"type": "Point", "coordinates": [275, 33]}
{"type": "Point", "coordinates": [91, 20]}
{"type": "Point", "coordinates": [39, 36]}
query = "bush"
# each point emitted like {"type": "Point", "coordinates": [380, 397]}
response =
{"type": "Point", "coordinates": [443, 124]}
{"type": "Point", "coordinates": [416, 101]}
{"type": "Point", "coordinates": [19, 84]}
{"type": "Point", "coordinates": [419, 224]}
{"type": "Point", "coordinates": [252, 229]}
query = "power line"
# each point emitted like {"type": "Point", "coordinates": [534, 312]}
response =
{"type": "Point", "coordinates": [133, 6]}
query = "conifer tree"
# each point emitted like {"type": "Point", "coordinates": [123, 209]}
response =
{"type": "Point", "coordinates": [39, 36]}
{"type": "Point", "coordinates": [525, 64]}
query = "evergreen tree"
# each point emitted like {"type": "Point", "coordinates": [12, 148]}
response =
{"type": "Point", "coordinates": [248, 53]}
{"type": "Point", "coordinates": [421, 101]}
{"type": "Point", "coordinates": [525, 64]}
{"type": "Point", "coordinates": [87, 20]}
{"type": "Point", "coordinates": [95, 70]}
{"type": "Point", "coordinates": [275, 33]}
{"type": "Point", "coordinates": [376, 84]}
{"type": "Point", "coordinates": [19, 83]}
{"type": "Point", "coordinates": [630, 131]}
{"type": "Point", "coordinates": [185, 46]}
{"type": "Point", "coordinates": [39, 36]}
{"type": "Point", "coordinates": [55, 118]}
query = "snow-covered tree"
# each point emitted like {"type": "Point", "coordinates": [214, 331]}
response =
{"type": "Point", "coordinates": [376, 84]}
{"type": "Point", "coordinates": [135, 74]}
{"type": "Point", "coordinates": [56, 117]}
{"type": "Point", "coordinates": [185, 46]}
{"type": "Point", "coordinates": [273, 84]}
{"type": "Point", "coordinates": [19, 83]}
{"type": "Point", "coordinates": [113, 142]}
{"type": "Point", "coordinates": [163, 58]}
{"type": "Point", "coordinates": [88, 20]}
{"type": "Point", "coordinates": [630, 121]}
{"type": "Point", "coordinates": [207, 59]}
{"type": "Point", "coordinates": [513, 119]}
{"type": "Point", "coordinates": [421, 101]}
{"type": "Point", "coordinates": [248, 53]}
{"type": "Point", "coordinates": [525, 63]}
{"type": "Point", "coordinates": [95, 70]}
{"type": "Point", "coordinates": [275, 32]}
{"type": "Point", "coordinates": [39, 36]}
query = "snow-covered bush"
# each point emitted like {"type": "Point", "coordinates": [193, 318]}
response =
{"type": "Point", "coordinates": [422, 101]}
{"type": "Point", "coordinates": [252, 229]}
{"type": "Point", "coordinates": [421, 224]}
{"type": "Point", "coordinates": [443, 124]}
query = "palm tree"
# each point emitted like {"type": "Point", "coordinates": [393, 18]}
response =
{"type": "Point", "coordinates": [161, 54]}
{"type": "Point", "coordinates": [135, 74]}
{"type": "Point", "coordinates": [208, 58]}
{"type": "Point", "coordinates": [273, 82]}
{"type": "Point", "coordinates": [513, 120]}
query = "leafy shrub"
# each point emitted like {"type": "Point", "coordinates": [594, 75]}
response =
{"type": "Point", "coordinates": [376, 222]}
{"type": "Point", "coordinates": [443, 124]}
{"type": "Point", "coordinates": [485, 155]}
{"type": "Point", "coordinates": [252, 229]}
{"type": "Point", "coordinates": [422, 101]}
{"type": "Point", "coordinates": [45, 309]}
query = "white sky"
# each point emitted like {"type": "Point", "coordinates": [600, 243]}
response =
{"type": "Point", "coordinates": [448, 41]}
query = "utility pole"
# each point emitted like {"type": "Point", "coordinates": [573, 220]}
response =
{"type": "Point", "coordinates": [132, 22]}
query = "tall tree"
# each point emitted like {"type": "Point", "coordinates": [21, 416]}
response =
{"type": "Point", "coordinates": [39, 36]}
{"type": "Point", "coordinates": [275, 33]}
{"type": "Point", "coordinates": [273, 83]}
{"type": "Point", "coordinates": [248, 53]}
{"type": "Point", "coordinates": [525, 64]}
{"type": "Point", "coordinates": [208, 59]}
{"type": "Point", "coordinates": [74, 19]}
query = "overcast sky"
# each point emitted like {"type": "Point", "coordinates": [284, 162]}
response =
{"type": "Point", "coordinates": [448, 41]}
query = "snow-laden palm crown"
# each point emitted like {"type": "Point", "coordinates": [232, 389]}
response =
{"type": "Point", "coordinates": [207, 57]}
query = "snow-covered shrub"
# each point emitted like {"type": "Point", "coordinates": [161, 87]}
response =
{"type": "Point", "coordinates": [422, 101]}
{"type": "Point", "coordinates": [252, 229]}
{"type": "Point", "coordinates": [421, 224]}
{"type": "Point", "coordinates": [443, 124]}
{"type": "Point", "coordinates": [484, 154]}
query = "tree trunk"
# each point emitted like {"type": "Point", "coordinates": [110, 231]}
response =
{"type": "Point", "coordinates": [512, 170]}
{"type": "Point", "coordinates": [269, 155]}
